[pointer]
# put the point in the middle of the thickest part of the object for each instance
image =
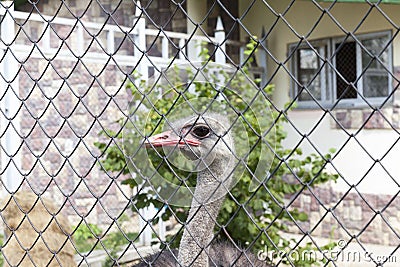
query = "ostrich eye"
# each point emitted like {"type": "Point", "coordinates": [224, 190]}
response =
{"type": "Point", "coordinates": [201, 131]}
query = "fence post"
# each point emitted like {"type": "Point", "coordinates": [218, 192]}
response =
{"type": "Point", "coordinates": [181, 48]}
{"type": "Point", "coordinates": [140, 49]}
{"type": "Point", "coordinates": [263, 57]}
{"type": "Point", "coordinates": [110, 42]}
{"type": "Point", "coordinates": [164, 47]}
{"type": "Point", "coordinates": [80, 40]}
{"type": "Point", "coordinates": [145, 214]}
{"type": "Point", "coordinates": [220, 38]}
{"type": "Point", "coordinates": [10, 159]}
{"type": "Point", "coordinates": [196, 11]}
{"type": "Point", "coordinates": [46, 36]}
{"type": "Point", "coordinates": [194, 49]}
{"type": "Point", "coordinates": [161, 225]}
{"type": "Point", "coordinates": [140, 41]}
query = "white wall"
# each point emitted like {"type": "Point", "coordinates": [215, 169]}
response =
{"type": "Point", "coordinates": [352, 162]}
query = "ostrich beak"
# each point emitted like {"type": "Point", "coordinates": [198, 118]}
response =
{"type": "Point", "coordinates": [169, 138]}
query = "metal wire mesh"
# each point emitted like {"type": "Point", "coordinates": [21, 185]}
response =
{"type": "Point", "coordinates": [77, 76]}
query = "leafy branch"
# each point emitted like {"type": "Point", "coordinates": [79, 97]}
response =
{"type": "Point", "coordinates": [257, 217]}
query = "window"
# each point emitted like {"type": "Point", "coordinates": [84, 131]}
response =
{"type": "Point", "coordinates": [311, 73]}
{"type": "Point", "coordinates": [342, 70]}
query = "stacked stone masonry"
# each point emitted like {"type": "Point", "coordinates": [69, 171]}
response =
{"type": "Point", "coordinates": [341, 215]}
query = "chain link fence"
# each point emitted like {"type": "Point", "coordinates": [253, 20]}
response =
{"type": "Point", "coordinates": [200, 133]}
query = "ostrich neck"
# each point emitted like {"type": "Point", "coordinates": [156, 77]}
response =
{"type": "Point", "coordinates": [198, 232]}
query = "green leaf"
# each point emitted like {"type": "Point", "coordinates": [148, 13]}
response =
{"type": "Point", "coordinates": [302, 216]}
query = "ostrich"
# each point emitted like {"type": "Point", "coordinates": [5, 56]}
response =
{"type": "Point", "coordinates": [207, 139]}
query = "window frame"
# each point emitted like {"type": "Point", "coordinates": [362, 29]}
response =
{"type": "Point", "coordinates": [322, 44]}
{"type": "Point", "coordinates": [330, 84]}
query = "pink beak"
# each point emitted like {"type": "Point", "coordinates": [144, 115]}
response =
{"type": "Point", "coordinates": [168, 138]}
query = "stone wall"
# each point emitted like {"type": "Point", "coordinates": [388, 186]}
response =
{"type": "Point", "coordinates": [63, 114]}
{"type": "Point", "coordinates": [158, 13]}
{"type": "Point", "coordinates": [343, 215]}
{"type": "Point", "coordinates": [67, 102]}
{"type": "Point", "coordinates": [165, 15]}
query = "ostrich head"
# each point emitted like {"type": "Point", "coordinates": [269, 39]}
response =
{"type": "Point", "coordinates": [205, 139]}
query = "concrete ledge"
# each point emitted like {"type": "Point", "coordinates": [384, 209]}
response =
{"type": "Point", "coordinates": [98, 257]}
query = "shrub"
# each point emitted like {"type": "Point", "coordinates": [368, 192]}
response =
{"type": "Point", "coordinates": [255, 217]}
